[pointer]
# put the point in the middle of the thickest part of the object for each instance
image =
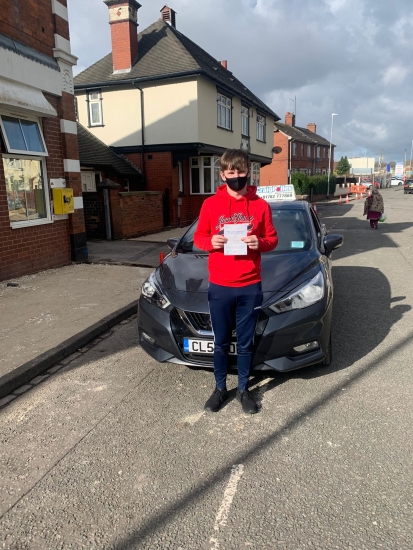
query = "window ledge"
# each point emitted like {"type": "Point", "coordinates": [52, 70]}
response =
{"type": "Point", "coordinates": [226, 129]}
{"type": "Point", "coordinates": [96, 125]}
{"type": "Point", "coordinates": [18, 225]}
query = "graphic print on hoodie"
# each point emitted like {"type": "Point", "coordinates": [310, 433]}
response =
{"type": "Point", "coordinates": [221, 209]}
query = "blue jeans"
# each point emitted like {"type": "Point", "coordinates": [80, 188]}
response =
{"type": "Point", "coordinates": [234, 307]}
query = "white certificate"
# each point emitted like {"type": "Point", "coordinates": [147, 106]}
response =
{"type": "Point", "coordinates": [234, 233]}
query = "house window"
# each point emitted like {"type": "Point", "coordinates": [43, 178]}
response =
{"type": "Point", "coordinates": [324, 152]}
{"type": "Point", "coordinates": [318, 171]}
{"type": "Point", "coordinates": [308, 150]}
{"type": "Point", "coordinates": [294, 149]}
{"type": "Point", "coordinates": [318, 153]}
{"type": "Point", "coordinates": [89, 181]}
{"type": "Point", "coordinates": [25, 171]}
{"type": "Point", "coordinates": [302, 149]}
{"type": "Point", "coordinates": [180, 177]}
{"type": "Point", "coordinates": [205, 176]}
{"type": "Point", "coordinates": [224, 112]}
{"type": "Point", "coordinates": [260, 128]}
{"type": "Point", "coordinates": [126, 185]}
{"type": "Point", "coordinates": [94, 100]}
{"type": "Point", "coordinates": [255, 173]}
{"type": "Point", "coordinates": [244, 121]}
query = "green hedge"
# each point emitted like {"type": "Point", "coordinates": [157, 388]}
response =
{"type": "Point", "coordinates": [302, 183]}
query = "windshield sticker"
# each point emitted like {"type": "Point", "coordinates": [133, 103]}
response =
{"type": "Point", "coordinates": [297, 244]}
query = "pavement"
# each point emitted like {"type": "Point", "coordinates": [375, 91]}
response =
{"type": "Point", "coordinates": [47, 316]}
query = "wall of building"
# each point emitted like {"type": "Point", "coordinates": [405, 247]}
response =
{"type": "Point", "coordinates": [170, 112]}
{"type": "Point", "coordinates": [276, 173]}
{"type": "Point", "coordinates": [42, 25]}
{"type": "Point", "coordinates": [209, 132]}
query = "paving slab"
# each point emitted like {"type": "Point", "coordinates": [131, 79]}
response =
{"type": "Point", "coordinates": [55, 312]}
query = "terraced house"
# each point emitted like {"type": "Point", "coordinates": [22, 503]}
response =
{"type": "Point", "coordinates": [170, 108]}
{"type": "Point", "coordinates": [38, 140]}
{"type": "Point", "coordinates": [297, 150]}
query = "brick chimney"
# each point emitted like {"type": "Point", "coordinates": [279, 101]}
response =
{"type": "Point", "coordinates": [312, 127]}
{"type": "Point", "coordinates": [169, 16]}
{"type": "Point", "coordinates": [123, 20]}
{"type": "Point", "coordinates": [224, 63]}
{"type": "Point", "coordinates": [290, 118]}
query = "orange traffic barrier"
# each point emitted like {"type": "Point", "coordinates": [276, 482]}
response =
{"type": "Point", "coordinates": [346, 198]}
{"type": "Point", "coordinates": [340, 201]}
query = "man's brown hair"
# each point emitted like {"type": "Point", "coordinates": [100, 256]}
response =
{"type": "Point", "coordinates": [235, 159]}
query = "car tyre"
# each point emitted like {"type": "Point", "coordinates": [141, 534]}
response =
{"type": "Point", "coordinates": [326, 362]}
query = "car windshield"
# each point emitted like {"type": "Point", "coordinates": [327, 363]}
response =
{"type": "Point", "coordinates": [292, 227]}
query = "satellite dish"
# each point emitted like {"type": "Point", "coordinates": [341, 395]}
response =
{"type": "Point", "coordinates": [276, 150]}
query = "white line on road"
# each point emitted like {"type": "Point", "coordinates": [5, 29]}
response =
{"type": "Point", "coordinates": [223, 512]}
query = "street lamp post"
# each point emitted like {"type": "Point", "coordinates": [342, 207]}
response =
{"type": "Point", "coordinates": [411, 151]}
{"type": "Point", "coordinates": [329, 160]}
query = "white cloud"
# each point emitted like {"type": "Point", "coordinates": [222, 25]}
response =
{"type": "Point", "coordinates": [351, 57]}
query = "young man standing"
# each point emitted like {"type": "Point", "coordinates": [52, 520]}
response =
{"type": "Point", "coordinates": [235, 226]}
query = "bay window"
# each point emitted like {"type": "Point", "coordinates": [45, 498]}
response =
{"type": "Point", "coordinates": [204, 174]}
{"type": "Point", "coordinates": [255, 173]}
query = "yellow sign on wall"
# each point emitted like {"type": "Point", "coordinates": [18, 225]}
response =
{"type": "Point", "coordinates": [63, 202]}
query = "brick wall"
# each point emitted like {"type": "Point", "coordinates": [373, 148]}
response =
{"type": "Point", "coordinates": [276, 173]}
{"type": "Point", "coordinates": [29, 249]}
{"type": "Point", "coordinates": [141, 213]}
{"type": "Point", "coordinates": [30, 22]}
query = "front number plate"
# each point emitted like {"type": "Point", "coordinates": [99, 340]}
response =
{"type": "Point", "coordinates": [205, 347]}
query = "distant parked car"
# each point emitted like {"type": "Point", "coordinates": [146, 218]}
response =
{"type": "Point", "coordinates": [408, 186]}
{"type": "Point", "coordinates": [396, 181]}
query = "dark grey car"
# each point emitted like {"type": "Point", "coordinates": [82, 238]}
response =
{"type": "Point", "coordinates": [294, 326]}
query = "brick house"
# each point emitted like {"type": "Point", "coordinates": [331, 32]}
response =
{"type": "Point", "coordinates": [164, 103]}
{"type": "Point", "coordinates": [296, 150]}
{"type": "Point", "coordinates": [115, 202]}
{"type": "Point", "coordinates": [38, 141]}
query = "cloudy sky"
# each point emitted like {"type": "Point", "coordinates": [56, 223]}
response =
{"type": "Point", "coordinates": [350, 57]}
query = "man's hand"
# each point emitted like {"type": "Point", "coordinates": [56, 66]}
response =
{"type": "Point", "coordinates": [252, 241]}
{"type": "Point", "coordinates": [218, 241]}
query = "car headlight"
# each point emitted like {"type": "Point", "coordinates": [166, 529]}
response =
{"type": "Point", "coordinates": [309, 294]}
{"type": "Point", "coordinates": [152, 293]}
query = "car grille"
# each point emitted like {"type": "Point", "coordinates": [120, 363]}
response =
{"type": "Point", "coordinates": [200, 321]}
{"type": "Point", "coordinates": [189, 324]}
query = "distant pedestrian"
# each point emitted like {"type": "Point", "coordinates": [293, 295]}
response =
{"type": "Point", "coordinates": [374, 207]}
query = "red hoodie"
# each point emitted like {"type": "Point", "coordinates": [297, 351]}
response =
{"type": "Point", "coordinates": [223, 209]}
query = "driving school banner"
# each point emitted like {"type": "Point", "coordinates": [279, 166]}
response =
{"type": "Point", "coordinates": [272, 193]}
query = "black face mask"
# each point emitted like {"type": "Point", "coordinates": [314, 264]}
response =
{"type": "Point", "coordinates": [236, 184]}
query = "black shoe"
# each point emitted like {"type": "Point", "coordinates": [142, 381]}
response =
{"type": "Point", "coordinates": [249, 406]}
{"type": "Point", "coordinates": [214, 403]}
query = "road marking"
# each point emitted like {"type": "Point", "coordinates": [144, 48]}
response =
{"type": "Point", "coordinates": [223, 512]}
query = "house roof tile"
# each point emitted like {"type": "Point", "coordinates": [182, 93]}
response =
{"type": "Point", "coordinates": [164, 52]}
{"type": "Point", "coordinates": [302, 134]}
{"type": "Point", "coordinates": [95, 153]}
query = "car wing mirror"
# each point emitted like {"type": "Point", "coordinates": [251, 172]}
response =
{"type": "Point", "coordinates": [332, 242]}
{"type": "Point", "coordinates": [172, 242]}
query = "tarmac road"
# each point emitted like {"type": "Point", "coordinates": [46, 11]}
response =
{"type": "Point", "coordinates": [113, 451]}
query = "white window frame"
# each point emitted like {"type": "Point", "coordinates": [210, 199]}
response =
{"type": "Point", "coordinates": [48, 218]}
{"type": "Point", "coordinates": [255, 173]}
{"type": "Point", "coordinates": [224, 105]}
{"type": "Point", "coordinates": [213, 166]}
{"type": "Point", "coordinates": [245, 121]}
{"type": "Point", "coordinates": [302, 149]}
{"type": "Point", "coordinates": [318, 152]}
{"type": "Point", "coordinates": [261, 127]}
{"type": "Point", "coordinates": [309, 151]}
{"type": "Point", "coordinates": [180, 177]}
{"type": "Point", "coordinates": [294, 153]}
{"type": "Point", "coordinates": [94, 101]}
{"type": "Point", "coordinates": [25, 151]}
